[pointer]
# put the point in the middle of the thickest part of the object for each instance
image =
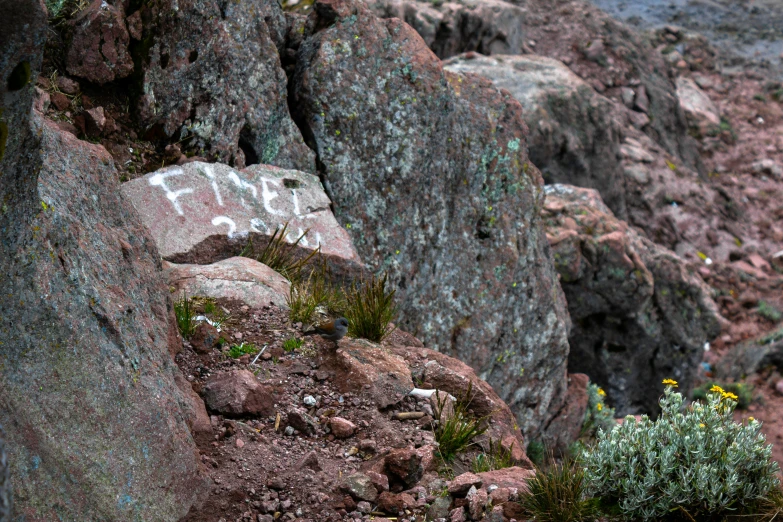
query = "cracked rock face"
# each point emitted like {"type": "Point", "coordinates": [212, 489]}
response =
{"type": "Point", "coordinates": [640, 314]}
{"type": "Point", "coordinates": [211, 77]}
{"type": "Point", "coordinates": [428, 172]}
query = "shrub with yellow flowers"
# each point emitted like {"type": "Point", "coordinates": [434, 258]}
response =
{"type": "Point", "coordinates": [693, 463]}
{"type": "Point", "coordinates": [598, 416]}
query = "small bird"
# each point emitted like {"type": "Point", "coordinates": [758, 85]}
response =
{"type": "Point", "coordinates": [331, 331]}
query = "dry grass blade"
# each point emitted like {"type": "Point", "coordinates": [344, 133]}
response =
{"type": "Point", "coordinates": [280, 255]}
{"type": "Point", "coordinates": [183, 310]}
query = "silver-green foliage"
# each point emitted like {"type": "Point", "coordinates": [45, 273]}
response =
{"type": "Point", "coordinates": [598, 416]}
{"type": "Point", "coordinates": [700, 461]}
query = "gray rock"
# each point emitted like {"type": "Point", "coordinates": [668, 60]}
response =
{"type": "Point", "coordinates": [6, 491]}
{"type": "Point", "coordinates": [428, 172]}
{"type": "Point", "coordinates": [640, 314]}
{"type": "Point", "coordinates": [575, 133]}
{"type": "Point", "coordinates": [439, 508]}
{"type": "Point", "coordinates": [753, 356]}
{"type": "Point", "coordinates": [211, 78]}
{"type": "Point", "coordinates": [360, 487]}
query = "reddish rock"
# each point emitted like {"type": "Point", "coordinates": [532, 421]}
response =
{"type": "Point", "coordinates": [237, 278]}
{"type": "Point", "coordinates": [362, 365]}
{"type": "Point", "coordinates": [204, 338]}
{"type": "Point", "coordinates": [202, 213]}
{"type": "Point", "coordinates": [67, 85]}
{"type": "Point", "coordinates": [238, 393]}
{"type": "Point", "coordinates": [405, 465]}
{"type": "Point", "coordinates": [477, 501]}
{"type": "Point", "coordinates": [566, 427]}
{"type": "Point", "coordinates": [95, 121]}
{"type": "Point", "coordinates": [779, 387]}
{"type": "Point", "coordinates": [60, 101]}
{"type": "Point", "coordinates": [310, 461]}
{"type": "Point", "coordinates": [462, 483]}
{"type": "Point", "coordinates": [513, 478]}
{"type": "Point", "coordinates": [98, 50]}
{"type": "Point", "coordinates": [393, 503]}
{"type": "Point", "coordinates": [379, 480]}
{"type": "Point", "coordinates": [213, 72]}
{"type": "Point", "coordinates": [196, 414]}
{"type": "Point", "coordinates": [342, 428]}
{"type": "Point", "coordinates": [701, 113]}
{"type": "Point", "coordinates": [301, 421]}
{"type": "Point", "coordinates": [477, 216]}
{"type": "Point", "coordinates": [640, 313]}
{"type": "Point", "coordinates": [458, 515]}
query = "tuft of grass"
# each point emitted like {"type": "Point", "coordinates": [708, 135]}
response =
{"type": "Point", "coordinates": [536, 452]}
{"type": "Point", "coordinates": [558, 494]}
{"type": "Point", "coordinates": [370, 309]}
{"type": "Point", "coordinates": [496, 457]}
{"type": "Point", "coordinates": [289, 345]}
{"type": "Point", "coordinates": [183, 310]}
{"type": "Point", "coordinates": [307, 295]}
{"type": "Point", "coordinates": [769, 312]}
{"type": "Point", "coordinates": [744, 392]}
{"type": "Point", "coordinates": [280, 255]}
{"type": "Point", "coordinates": [238, 350]}
{"type": "Point", "coordinates": [457, 426]}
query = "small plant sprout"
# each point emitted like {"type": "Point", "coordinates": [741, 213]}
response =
{"type": "Point", "coordinates": [292, 344]}
{"type": "Point", "coordinates": [238, 350]}
{"type": "Point", "coordinates": [456, 427]}
{"type": "Point", "coordinates": [371, 309]}
{"type": "Point", "coordinates": [496, 457]}
{"type": "Point", "coordinates": [282, 256]}
{"type": "Point", "coordinates": [183, 311]}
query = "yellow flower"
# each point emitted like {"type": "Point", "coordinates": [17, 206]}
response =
{"type": "Point", "coordinates": [599, 406]}
{"type": "Point", "coordinates": [670, 382]}
{"type": "Point", "coordinates": [601, 392]}
{"type": "Point", "coordinates": [751, 419]}
{"type": "Point", "coordinates": [729, 395]}
{"type": "Point", "coordinates": [701, 425]}
{"type": "Point", "coordinates": [717, 389]}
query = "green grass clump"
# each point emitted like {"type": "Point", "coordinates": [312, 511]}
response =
{"type": "Point", "coordinates": [558, 494]}
{"type": "Point", "coordinates": [289, 345]}
{"type": "Point", "coordinates": [370, 309]}
{"type": "Point", "coordinates": [308, 294]}
{"type": "Point", "coordinates": [769, 312]}
{"type": "Point", "coordinates": [496, 457]}
{"type": "Point", "coordinates": [280, 255]}
{"type": "Point", "coordinates": [693, 464]}
{"type": "Point", "coordinates": [457, 426]}
{"type": "Point", "coordinates": [238, 350]}
{"type": "Point", "coordinates": [744, 392]}
{"type": "Point", "coordinates": [183, 310]}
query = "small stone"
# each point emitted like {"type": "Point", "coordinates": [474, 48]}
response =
{"type": "Point", "coordinates": [368, 446]}
{"type": "Point", "coordinates": [395, 502]}
{"type": "Point", "coordinates": [41, 100]}
{"type": "Point", "coordinates": [641, 102]}
{"type": "Point", "coordinates": [301, 421]}
{"type": "Point", "coordinates": [95, 121]}
{"type": "Point", "coordinates": [342, 428]}
{"type": "Point", "coordinates": [67, 85]}
{"type": "Point", "coordinates": [779, 387]}
{"type": "Point", "coordinates": [364, 507]}
{"type": "Point", "coordinates": [204, 338]}
{"type": "Point", "coordinates": [458, 515]}
{"type": "Point", "coordinates": [379, 480]}
{"type": "Point", "coordinates": [405, 464]}
{"type": "Point", "coordinates": [360, 487]}
{"type": "Point", "coordinates": [309, 401]}
{"type": "Point", "coordinates": [289, 430]}
{"type": "Point", "coordinates": [439, 508]}
{"type": "Point", "coordinates": [595, 51]}
{"type": "Point", "coordinates": [240, 443]}
{"type": "Point", "coordinates": [275, 483]}
{"type": "Point", "coordinates": [477, 500]}
{"type": "Point", "coordinates": [462, 484]}
{"type": "Point", "coordinates": [60, 101]}
{"type": "Point", "coordinates": [310, 461]}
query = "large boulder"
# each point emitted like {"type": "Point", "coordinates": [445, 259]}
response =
{"type": "Point", "coordinates": [575, 133]}
{"type": "Point", "coordinates": [428, 171]}
{"type": "Point", "coordinates": [94, 420]}
{"type": "Point", "coordinates": [237, 278]}
{"type": "Point", "coordinates": [599, 49]}
{"type": "Point", "coordinates": [211, 79]}
{"type": "Point", "coordinates": [639, 313]}
{"type": "Point", "coordinates": [203, 213]}
{"type": "Point", "coordinates": [752, 356]}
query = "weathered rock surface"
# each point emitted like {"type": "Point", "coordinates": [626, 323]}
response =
{"type": "Point", "coordinates": [575, 133]}
{"type": "Point", "coordinates": [753, 356]}
{"type": "Point", "coordinates": [6, 490]}
{"type": "Point", "coordinates": [639, 313]}
{"type": "Point", "coordinates": [428, 171]}
{"type": "Point", "coordinates": [211, 78]}
{"type": "Point", "coordinates": [238, 393]}
{"type": "Point", "coordinates": [700, 111]}
{"type": "Point", "coordinates": [203, 213]}
{"type": "Point", "coordinates": [514, 478]}
{"type": "Point", "coordinates": [239, 278]}
{"type": "Point", "coordinates": [566, 427]}
{"type": "Point", "coordinates": [98, 50]}
{"type": "Point", "coordinates": [600, 50]}
{"type": "Point", "coordinates": [487, 26]}
{"type": "Point", "coordinates": [84, 325]}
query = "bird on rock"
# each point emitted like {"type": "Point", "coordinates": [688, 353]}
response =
{"type": "Point", "coordinates": [331, 331]}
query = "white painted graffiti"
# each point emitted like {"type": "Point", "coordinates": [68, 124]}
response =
{"type": "Point", "coordinates": [269, 192]}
